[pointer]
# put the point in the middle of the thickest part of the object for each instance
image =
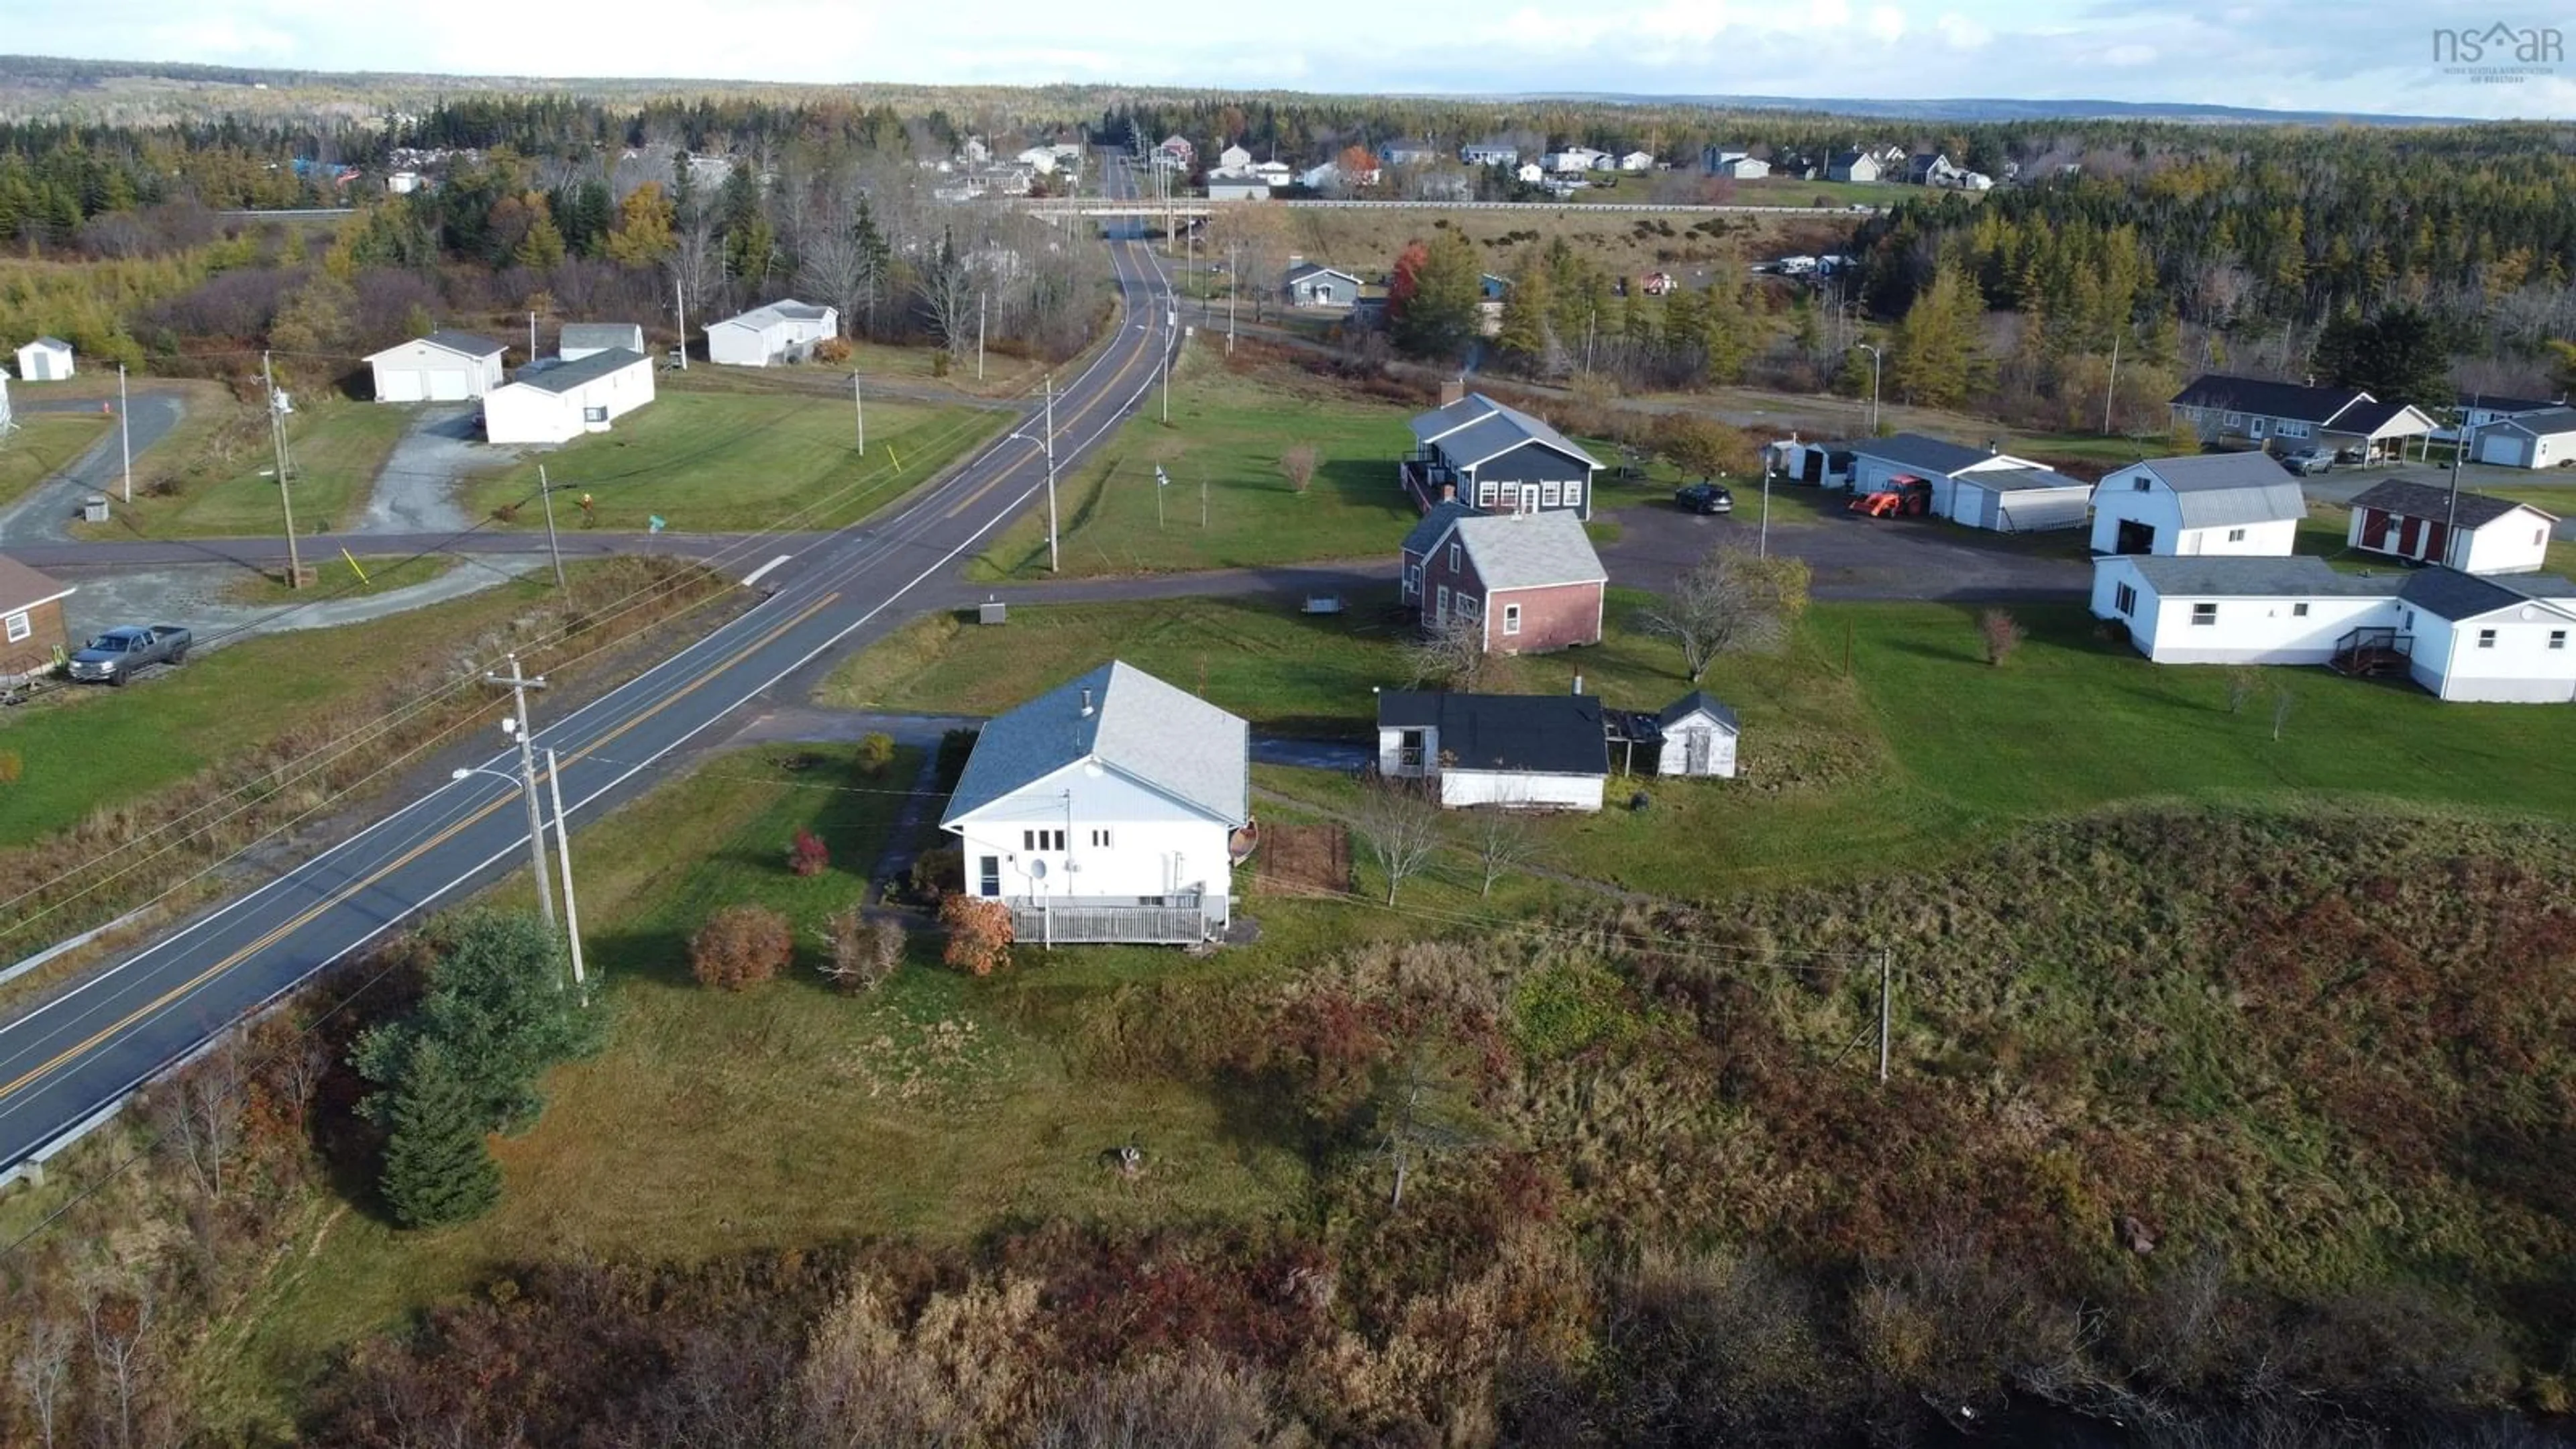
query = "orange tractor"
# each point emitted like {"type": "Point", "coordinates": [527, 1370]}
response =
{"type": "Point", "coordinates": [1900, 498]}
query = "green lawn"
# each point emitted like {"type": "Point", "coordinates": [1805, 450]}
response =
{"type": "Point", "coordinates": [1226, 437]}
{"type": "Point", "coordinates": [43, 445]}
{"type": "Point", "coordinates": [1923, 750]}
{"type": "Point", "coordinates": [335, 447]}
{"type": "Point", "coordinates": [712, 459]}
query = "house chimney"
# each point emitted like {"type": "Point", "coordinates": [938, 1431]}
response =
{"type": "Point", "coordinates": [1578, 684]}
{"type": "Point", "coordinates": [1086, 702]}
{"type": "Point", "coordinates": [1453, 390]}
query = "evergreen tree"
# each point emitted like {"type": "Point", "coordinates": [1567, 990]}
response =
{"type": "Point", "coordinates": [642, 235]}
{"type": "Point", "coordinates": [498, 1001]}
{"type": "Point", "coordinates": [1936, 358]}
{"type": "Point", "coordinates": [2399, 356]}
{"type": "Point", "coordinates": [1440, 315]}
{"type": "Point", "coordinates": [437, 1167]}
{"type": "Point", "coordinates": [1527, 334]}
{"type": "Point", "coordinates": [543, 246]}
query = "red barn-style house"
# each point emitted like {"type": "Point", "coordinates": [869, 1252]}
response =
{"type": "Point", "coordinates": [1528, 582]}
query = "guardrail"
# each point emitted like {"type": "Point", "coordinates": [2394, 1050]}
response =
{"type": "Point", "coordinates": [1199, 206]}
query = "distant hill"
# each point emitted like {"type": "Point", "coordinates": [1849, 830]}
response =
{"type": "Point", "coordinates": [1997, 109]}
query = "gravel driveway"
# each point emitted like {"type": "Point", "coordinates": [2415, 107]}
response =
{"type": "Point", "coordinates": [195, 595]}
{"type": "Point", "coordinates": [417, 491]}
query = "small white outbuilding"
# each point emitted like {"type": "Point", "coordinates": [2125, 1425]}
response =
{"type": "Point", "coordinates": [47, 359]}
{"type": "Point", "coordinates": [442, 367]}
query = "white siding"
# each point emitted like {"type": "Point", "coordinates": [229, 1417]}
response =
{"type": "Point", "coordinates": [1157, 845]}
{"type": "Point", "coordinates": [2277, 539]}
{"type": "Point", "coordinates": [1678, 743]}
{"type": "Point", "coordinates": [2117, 500]}
{"type": "Point", "coordinates": [740, 346]}
{"type": "Point", "coordinates": [520, 413]}
{"type": "Point", "coordinates": [2240, 631]}
{"type": "Point", "coordinates": [418, 372]}
{"type": "Point", "coordinates": [2517, 543]}
{"type": "Point", "coordinates": [2518, 668]}
{"type": "Point", "coordinates": [1512, 788]}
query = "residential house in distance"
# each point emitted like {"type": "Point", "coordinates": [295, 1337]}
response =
{"type": "Point", "coordinates": [1517, 751]}
{"type": "Point", "coordinates": [1530, 173]}
{"type": "Point", "coordinates": [560, 402]}
{"type": "Point", "coordinates": [782, 331]}
{"type": "Point", "coordinates": [1224, 187]}
{"type": "Point", "coordinates": [2209, 503]}
{"type": "Point", "coordinates": [2223, 408]}
{"type": "Point", "coordinates": [402, 183]}
{"type": "Point", "coordinates": [1852, 166]}
{"type": "Point", "coordinates": [1411, 151]}
{"type": "Point", "coordinates": [1330, 177]}
{"type": "Point", "coordinates": [584, 339]}
{"type": "Point", "coordinates": [1176, 151]}
{"type": "Point", "coordinates": [2544, 439]}
{"type": "Point", "coordinates": [1234, 158]}
{"type": "Point", "coordinates": [1732, 161]}
{"type": "Point", "coordinates": [1111, 808]}
{"type": "Point", "coordinates": [47, 359]}
{"type": "Point", "coordinates": [2478, 410]}
{"type": "Point", "coordinates": [442, 367]}
{"type": "Point", "coordinates": [1976, 487]}
{"type": "Point", "coordinates": [1526, 582]}
{"type": "Point", "coordinates": [1490, 153]}
{"type": "Point", "coordinates": [31, 619]}
{"type": "Point", "coordinates": [1312, 284]}
{"type": "Point", "coordinates": [1575, 160]}
{"type": "Point", "coordinates": [1699, 736]}
{"type": "Point", "coordinates": [1637, 162]}
{"type": "Point", "coordinates": [1477, 451]}
{"type": "Point", "coordinates": [2459, 636]}
{"type": "Point", "coordinates": [2471, 532]}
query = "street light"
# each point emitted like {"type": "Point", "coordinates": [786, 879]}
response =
{"type": "Point", "coordinates": [563, 848]}
{"type": "Point", "coordinates": [1875, 358]}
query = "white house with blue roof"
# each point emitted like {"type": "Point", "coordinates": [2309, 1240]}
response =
{"type": "Point", "coordinates": [1111, 808]}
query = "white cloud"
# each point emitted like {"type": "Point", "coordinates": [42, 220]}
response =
{"type": "Point", "coordinates": [1961, 32]}
{"type": "Point", "coordinates": [2129, 55]}
{"type": "Point", "coordinates": [1887, 23]}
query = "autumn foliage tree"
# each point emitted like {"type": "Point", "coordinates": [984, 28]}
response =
{"type": "Point", "coordinates": [979, 934]}
{"type": "Point", "coordinates": [807, 855]}
{"type": "Point", "coordinates": [741, 946]}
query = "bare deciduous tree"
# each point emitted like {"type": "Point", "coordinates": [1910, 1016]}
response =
{"type": "Point", "coordinates": [1730, 600]}
{"type": "Point", "coordinates": [1399, 821]}
{"type": "Point", "coordinates": [2002, 634]}
{"type": "Point", "coordinates": [1450, 654]}
{"type": "Point", "coordinates": [1422, 1108]}
{"type": "Point", "coordinates": [947, 292]}
{"type": "Point", "coordinates": [1298, 466]}
{"type": "Point", "coordinates": [1503, 839]}
{"type": "Point", "coordinates": [42, 1373]}
{"type": "Point", "coordinates": [119, 1319]}
{"type": "Point", "coordinates": [201, 1116]}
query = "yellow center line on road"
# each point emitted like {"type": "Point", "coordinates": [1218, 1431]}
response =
{"type": "Point", "coordinates": [342, 896]}
{"type": "Point", "coordinates": [1109, 390]}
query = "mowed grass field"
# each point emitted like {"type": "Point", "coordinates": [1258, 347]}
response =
{"type": "Point", "coordinates": [712, 459]}
{"type": "Point", "coordinates": [1920, 750]}
{"type": "Point", "coordinates": [1227, 435]}
{"type": "Point", "coordinates": [335, 449]}
{"type": "Point", "coordinates": [44, 444]}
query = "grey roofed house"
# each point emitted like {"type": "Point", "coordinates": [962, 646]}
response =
{"type": "Point", "coordinates": [1544, 734]}
{"type": "Point", "coordinates": [1449, 417]}
{"type": "Point", "coordinates": [1529, 550]}
{"type": "Point", "coordinates": [2456, 596]}
{"type": "Point", "coordinates": [1426, 533]}
{"type": "Point", "coordinates": [2259, 576]}
{"type": "Point", "coordinates": [2262, 397]}
{"type": "Point", "coordinates": [565, 376]}
{"type": "Point", "coordinates": [2508, 406]}
{"type": "Point", "coordinates": [2224, 490]}
{"type": "Point", "coordinates": [1165, 738]}
{"type": "Point", "coordinates": [1693, 703]}
{"type": "Point", "coordinates": [2423, 500]}
{"type": "Point", "coordinates": [587, 337]}
{"type": "Point", "coordinates": [464, 344]}
{"type": "Point", "coordinates": [1499, 430]}
{"type": "Point", "coordinates": [1915, 450]}
{"type": "Point", "coordinates": [2547, 423]}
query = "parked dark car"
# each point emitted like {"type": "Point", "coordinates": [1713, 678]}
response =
{"type": "Point", "coordinates": [2309, 460]}
{"type": "Point", "coordinates": [1704, 498]}
{"type": "Point", "coordinates": [119, 654]}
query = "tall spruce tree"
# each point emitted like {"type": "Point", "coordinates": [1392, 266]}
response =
{"type": "Point", "coordinates": [437, 1167]}
{"type": "Point", "coordinates": [1439, 318]}
{"type": "Point", "coordinates": [1937, 359]}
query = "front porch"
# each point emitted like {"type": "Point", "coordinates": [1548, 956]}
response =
{"type": "Point", "coordinates": [1426, 482]}
{"type": "Point", "coordinates": [1175, 920]}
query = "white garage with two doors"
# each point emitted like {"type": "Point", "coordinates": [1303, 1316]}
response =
{"type": "Point", "coordinates": [442, 367]}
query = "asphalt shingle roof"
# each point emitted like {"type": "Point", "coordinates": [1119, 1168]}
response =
{"type": "Point", "coordinates": [462, 343]}
{"type": "Point", "coordinates": [1915, 450]}
{"type": "Point", "coordinates": [2456, 596]}
{"type": "Point", "coordinates": [1542, 734]}
{"type": "Point", "coordinates": [599, 334]}
{"type": "Point", "coordinates": [1682, 709]}
{"type": "Point", "coordinates": [1529, 550]}
{"type": "Point", "coordinates": [2216, 490]}
{"type": "Point", "coordinates": [21, 587]}
{"type": "Point", "coordinates": [2266, 398]}
{"type": "Point", "coordinates": [2423, 500]}
{"type": "Point", "coordinates": [786, 309]}
{"type": "Point", "coordinates": [1435, 523]}
{"type": "Point", "coordinates": [1489, 430]}
{"type": "Point", "coordinates": [566, 376]}
{"type": "Point", "coordinates": [1303, 270]}
{"type": "Point", "coordinates": [2367, 418]}
{"type": "Point", "coordinates": [2548, 423]}
{"type": "Point", "coordinates": [2495, 404]}
{"type": "Point", "coordinates": [1165, 738]}
{"type": "Point", "coordinates": [2255, 577]}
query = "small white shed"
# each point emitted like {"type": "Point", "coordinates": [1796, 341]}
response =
{"type": "Point", "coordinates": [47, 359]}
{"type": "Point", "coordinates": [1699, 738]}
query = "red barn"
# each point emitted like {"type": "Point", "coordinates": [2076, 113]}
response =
{"type": "Point", "coordinates": [1529, 581]}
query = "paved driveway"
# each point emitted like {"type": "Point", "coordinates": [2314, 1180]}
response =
{"type": "Point", "coordinates": [1853, 557]}
{"type": "Point", "coordinates": [46, 512]}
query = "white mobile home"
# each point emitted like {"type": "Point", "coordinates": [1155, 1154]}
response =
{"type": "Point", "coordinates": [783, 331]}
{"type": "Point", "coordinates": [559, 403]}
{"type": "Point", "coordinates": [1106, 810]}
{"type": "Point", "coordinates": [442, 367]}
{"type": "Point", "coordinates": [2212, 503]}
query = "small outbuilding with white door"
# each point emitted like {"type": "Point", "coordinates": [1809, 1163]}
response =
{"type": "Point", "coordinates": [442, 367]}
{"type": "Point", "coordinates": [2544, 439]}
{"type": "Point", "coordinates": [1975, 487]}
{"type": "Point", "coordinates": [1518, 751]}
{"type": "Point", "coordinates": [559, 403]}
{"type": "Point", "coordinates": [1699, 738]}
{"type": "Point", "coordinates": [2471, 532]}
{"type": "Point", "coordinates": [783, 331]}
{"type": "Point", "coordinates": [2208, 503]}
{"type": "Point", "coordinates": [47, 359]}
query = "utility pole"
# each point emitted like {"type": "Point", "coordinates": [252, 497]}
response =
{"type": "Point", "coordinates": [1875, 357]}
{"type": "Point", "coordinates": [2460, 443]}
{"type": "Point", "coordinates": [859, 408]}
{"type": "Point", "coordinates": [285, 496]}
{"type": "Point", "coordinates": [1886, 978]}
{"type": "Point", "coordinates": [546, 491]}
{"type": "Point", "coordinates": [1233, 287]}
{"type": "Point", "coordinates": [519, 684]}
{"type": "Point", "coordinates": [563, 858]}
{"type": "Point", "coordinates": [1167, 373]}
{"type": "Point", "coordinates": [1054, 565]}
{"type": "Point", "coordinates": [979, 337]}
{"type": "Point", "coordinates": [124, 433]}
{"type": "Point", "coordinates": [2111, 389]}
{"type": "Point", "coordinates": [532, 334]}
{"type": "Point", "coordinates": [680, 304]}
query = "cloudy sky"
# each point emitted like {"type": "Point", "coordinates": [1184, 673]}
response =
{"type": "Point", "coordinates": [2327, 55]}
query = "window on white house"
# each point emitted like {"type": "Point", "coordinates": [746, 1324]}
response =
{"type": "Point", "coordinates": [19, 628]}
{"type": "Point", "coordinates": [1511, 618]}
{"type": "Point", "coordinates": [2298, 611]}
{"type": "Point", "coordinates": [1549, 494]}
{"type": "Point", "coordinates": [2486, 638]}
{"type": "Point", "coordinates": [1028, 840]}
{"type": "Point", "coordinates": [1484, 495]}
{"type": "Point", "coordinates": [1573, 493]}
{"type": "Point", "coordinates": [2138, 485]}
{"type": "Point", "coordinates": [2204, 613]}
{"type": "Point", "coordinates": [2557, 638]}
{"type": "Point", "coordinates": [2124, 598]}
{"type": "Point", "coordinates": [2236, 535]}
{"type": "Point", "coordinates": [1100, 840]}
{"type": "Point", "coordinates": [1041, 840]}
{"type": "Point", "coordinates": [988, 876]}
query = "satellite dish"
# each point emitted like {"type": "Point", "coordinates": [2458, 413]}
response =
{"type": "Point", "coordinates": [1037, 870]}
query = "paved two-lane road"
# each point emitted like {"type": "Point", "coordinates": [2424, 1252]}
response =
{"type": "Point", "coordinates": [66, 1061]}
